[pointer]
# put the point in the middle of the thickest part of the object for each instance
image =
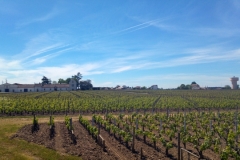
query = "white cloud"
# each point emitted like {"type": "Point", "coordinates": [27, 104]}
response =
{"type": "Point", "coordinates": [54, 12]}
{"type": "Point", "coordinates": [144, 24]}
{"type": "Point", "coordinates": [120, 63]}
{"type": "Point", "coordinates": [121, 69]}
{"type": "Point", "coordinates": [9, 64]}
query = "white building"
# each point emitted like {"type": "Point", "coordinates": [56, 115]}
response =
{"type": "Point", "coordinates": [7, 87]}
{"type": "Point", "coordinates": [154, 87]}
{"type": "Point", "coordinates": [195, 87]}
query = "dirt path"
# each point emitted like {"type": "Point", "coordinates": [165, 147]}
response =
{"type": "Point", "coordinates": [86, 142]}
{"type": "Point", "coordinates": [58, 139]}
{"type": "Point", "coordinates": [115, 151]}
{"type": "Point", "coordinates": [119, 148]}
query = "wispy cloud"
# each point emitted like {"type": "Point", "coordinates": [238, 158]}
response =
{"type": "Point", "coordinates": [9, 64]}
{"type": "Point", "coordinates": [43, 59]}
{"type": "Point", "coordinates": [140, 26]}
{"type": "Point", "coordinates": [194, 56]}
{"type": "Point", "coordinates": [43, 47]}
{"type": "Point", "coordinates": [54, 12]}
{"type": "Point", "coordinates": [115, 64]}
{"type": "Point", "coordinates": [154, 23]}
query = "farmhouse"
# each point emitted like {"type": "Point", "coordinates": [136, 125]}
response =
{"type": "Point", "coordinates": [154, 87]}
{"type": "Point", "coordinates": [16, 87]}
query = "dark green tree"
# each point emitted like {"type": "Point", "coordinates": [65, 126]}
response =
{"type": "Point", "coordinates": [46, 80]}
{"type": "Point", "coordinates": [86, 85]}
{"type": "Point", "coordinates": [68, 80]}
{"type": "Point", "coordinates": [188, 86]}
{"type": "Point", "coordinates": [60, 80]}
{"type": "Point", "coordinates": [182, 86]}
{"type": "Point", "coordinates": [227, 87]}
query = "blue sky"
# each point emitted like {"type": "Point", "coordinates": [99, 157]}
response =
{"type": "Point", "coordinates": [115, 42]}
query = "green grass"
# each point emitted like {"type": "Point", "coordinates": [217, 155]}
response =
{"type": "Point", "coordinates": [14, 148]}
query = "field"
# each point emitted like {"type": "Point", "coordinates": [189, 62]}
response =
{"type": "Point", "coordinates": [120, 125]}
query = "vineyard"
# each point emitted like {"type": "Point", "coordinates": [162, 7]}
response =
{"type": "Point", "coordinates": [132, 124]}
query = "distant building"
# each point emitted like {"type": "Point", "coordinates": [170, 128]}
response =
{"type": "Point", "coordinates": [119, 88]}
{"type": "Point", "coordinates": [154, 87]}
{"type": "Point", "coordinates": [214, 88]}
{"type": "Point", "coordinates": [195, 87]}
{"type": "Point", "coordinates": [234, 82]}
{"type": "Point", "coordinates": [137, 87]}
{"type": "Point", "coordinates": [16, 87]}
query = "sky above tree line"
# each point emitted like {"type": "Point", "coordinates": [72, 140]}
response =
{"type": "Point", "coordinates": [133, 43]}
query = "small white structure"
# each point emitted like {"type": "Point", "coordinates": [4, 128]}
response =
{"type": "Point", "coordinates": [195, 87]}
{"type": "Point", "coordinates": [154, 87]}
{"type": "Point", "coordinates": [234, 82]}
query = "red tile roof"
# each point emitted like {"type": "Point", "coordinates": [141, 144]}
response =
{"type": "Point", "coordinates": [25, 86]}
{"type": "Point", "coordinates": [44, 86]}
{"type": "Point", "coordinates": [56, 85]}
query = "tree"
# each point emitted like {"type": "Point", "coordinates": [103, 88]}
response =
{"type": "Point", "coordinates": [86, 85]}
{"type": "Point", "coordinates": [54, 82]}
{"type": "Point", "coordinates": [78, 77]}
{"type": "Point", "coordinates": [227, 87]}
{"type": "Point", "coordinates": [194, 82]}
{"type": "Point", "coordinates": [68, 80]}
{"type": "Point", "coordinates": [46, 80]}
{"type": "Point", "coordinates": [60, 80]}
{"type": "Point", "coordinates": [188, 86]}
{"type": "Point", "coordinates": [182, 86]}
{"type": "Point", "coordinates": [143, 87]}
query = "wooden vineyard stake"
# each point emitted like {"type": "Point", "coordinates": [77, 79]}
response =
{"type": "Point", "coordinates": [167, 112]}
{"type": "Point", "coordinates": [103, 145]}
{"type": "Point", "coordinates": [133, 139]}
{"type": "Point", "coordinates": [136, 123]}
{"type": "Point", "coordinates": [101, 142]}
{"type": "Point", "coordinates": [160, 127]}
{"type": "Point", "coordinates": [179, 146]}
{"type": "Point", "coordinates": [236, 124]}
{"type": "Point", "coordinates": [50, 120]}
{"type": "Point", "coordinates": [141, 153]}
{"type": "Point", "coordinates": [98, 129]}
{"type": "Point", "coordinates": [184, 121]}
{"type": "Point", "coordinates": [211, 125]}
{"type": "Point", "coordinates": [70, 120]}
{"type": "Point", "coordinates": [92, 121]}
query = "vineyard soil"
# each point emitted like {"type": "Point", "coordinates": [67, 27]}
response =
{"type": "Point", "coordinates": [86, 147]}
